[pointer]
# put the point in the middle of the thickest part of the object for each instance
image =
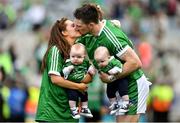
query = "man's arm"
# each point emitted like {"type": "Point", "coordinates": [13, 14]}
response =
{"type": "Point", "coordinates": [132, 63]}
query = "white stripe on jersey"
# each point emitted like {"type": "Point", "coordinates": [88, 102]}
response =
{"type": "Point", "coordinates": [54, 59]}
{"type": "Point", "coordinates": [109, 37]}
{"type": "Point", "coordinates": [123, 51]}
{"type": "Point", "coordinates": [54, 72]}
{"type": "Point", "coordinates": [57, 53]}
{"type": "Point", "coordinates": [113, 39]}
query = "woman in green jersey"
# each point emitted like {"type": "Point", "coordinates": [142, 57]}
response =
{"type": "Point", "coordinates": [53, 102]}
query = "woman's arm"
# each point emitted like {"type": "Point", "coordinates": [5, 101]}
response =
{"type": "Point", "coordinates": [87, 79]}
{"type": "Point", "coordinates": [60, 81]}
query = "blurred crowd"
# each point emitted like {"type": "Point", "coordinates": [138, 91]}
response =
{"type": "Point", "coordinates": [152, 25]}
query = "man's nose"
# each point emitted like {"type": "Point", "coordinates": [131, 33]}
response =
{"type": "Point", "coordinates": [76, 28]}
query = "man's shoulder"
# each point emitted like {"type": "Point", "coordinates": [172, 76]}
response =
{"type": "Point", "coordinates": [84, 38]}
{"type": "Point", "coordinates": [87, 36]}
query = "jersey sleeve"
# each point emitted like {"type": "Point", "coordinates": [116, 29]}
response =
{"type": "Point", "coordinates": [117, 41]}
{"type": "Point", "coordinates": [54, 61]}
{"type": "Point", "coordinates": [117, 46]}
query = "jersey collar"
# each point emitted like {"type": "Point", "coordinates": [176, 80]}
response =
{"type": "Point", "coordinates": [112, 57]}
{"type": "Point", "coordinates": [104, 23]}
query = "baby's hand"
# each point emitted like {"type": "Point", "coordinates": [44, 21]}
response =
{"type": "Point", "coordinates": [92, 70]}
{"type": "Point", "coordinates": [115, 70]}
{"type": "Point", "coordinates": [116, 23]}
{"type": "Point", "coordinates": [67, 71]}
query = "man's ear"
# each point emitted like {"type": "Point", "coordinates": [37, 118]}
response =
{"type": "Point", "coordinates": [64, 33]}
{"type": "Point", "coordinates": [90, 26]}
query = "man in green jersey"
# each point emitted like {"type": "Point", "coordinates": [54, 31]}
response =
{"type": "Point", "coordinates": [104, 33]}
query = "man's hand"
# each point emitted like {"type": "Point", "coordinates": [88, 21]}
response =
{"type": "Point", "coordinates": [67, 71]}
{"type": "Point", "coordinates": [107, 78]}
{"type": "Point", "coordinates": [115, 70]}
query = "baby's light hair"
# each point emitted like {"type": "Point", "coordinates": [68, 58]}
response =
{"type": "Point", "coordinates": [79, 46]}
{"type": "Point", "coordinates": [102, 50]}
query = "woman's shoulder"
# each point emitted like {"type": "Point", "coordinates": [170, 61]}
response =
{"type": "Point", "coordinates": [54, 49]}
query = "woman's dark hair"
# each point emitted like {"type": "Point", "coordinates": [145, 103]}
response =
{"type": "Point", "coordinates": [89, 13]}
{"type": "Point", "coordinates": [57, 39]}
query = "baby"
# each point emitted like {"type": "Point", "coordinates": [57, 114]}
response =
{"type": "Point", "coordinates": [75, 69]}
{"type": "Point", "coordinates": [110, 65]}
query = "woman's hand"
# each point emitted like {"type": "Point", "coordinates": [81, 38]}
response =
{"type": "Point", "coordinates": [106, 78]}
{"type": "Point", "coordinates": [82, 87]}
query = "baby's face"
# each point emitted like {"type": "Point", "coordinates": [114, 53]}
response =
{"type": "Point", "coordinates": [102, 60]}
{"type": "Point", "coordinates": [77, 56]}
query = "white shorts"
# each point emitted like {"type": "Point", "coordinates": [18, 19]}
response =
{"type": "Point", "coordinates": [142, 95]}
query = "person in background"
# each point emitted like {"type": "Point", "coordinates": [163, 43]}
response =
{"type": "Point", "coordinates": [2, 77]}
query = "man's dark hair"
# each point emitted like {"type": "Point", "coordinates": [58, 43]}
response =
{"type": "Point", "coordinates": [88, 13]}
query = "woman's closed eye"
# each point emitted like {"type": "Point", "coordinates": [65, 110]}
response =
{"type": "Point", "coordinates": [73, 25]}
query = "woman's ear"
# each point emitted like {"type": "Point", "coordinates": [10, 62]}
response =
{"type": "Point", "coordinates": [64, 33]}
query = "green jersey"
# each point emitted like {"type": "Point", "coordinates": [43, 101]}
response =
{"type": "Point", "coordinates": [53, 102]}
{"type": "Point", "coordinates": [113, 62]}
{"type": "Point", "coordinates": [89, 41]}
{"type": "Point", "coordinates": [114, 40]}
{"type": "Point", "coordinates": [117, 43]}
{"type": "Point", "coordinates": [79, 71]}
